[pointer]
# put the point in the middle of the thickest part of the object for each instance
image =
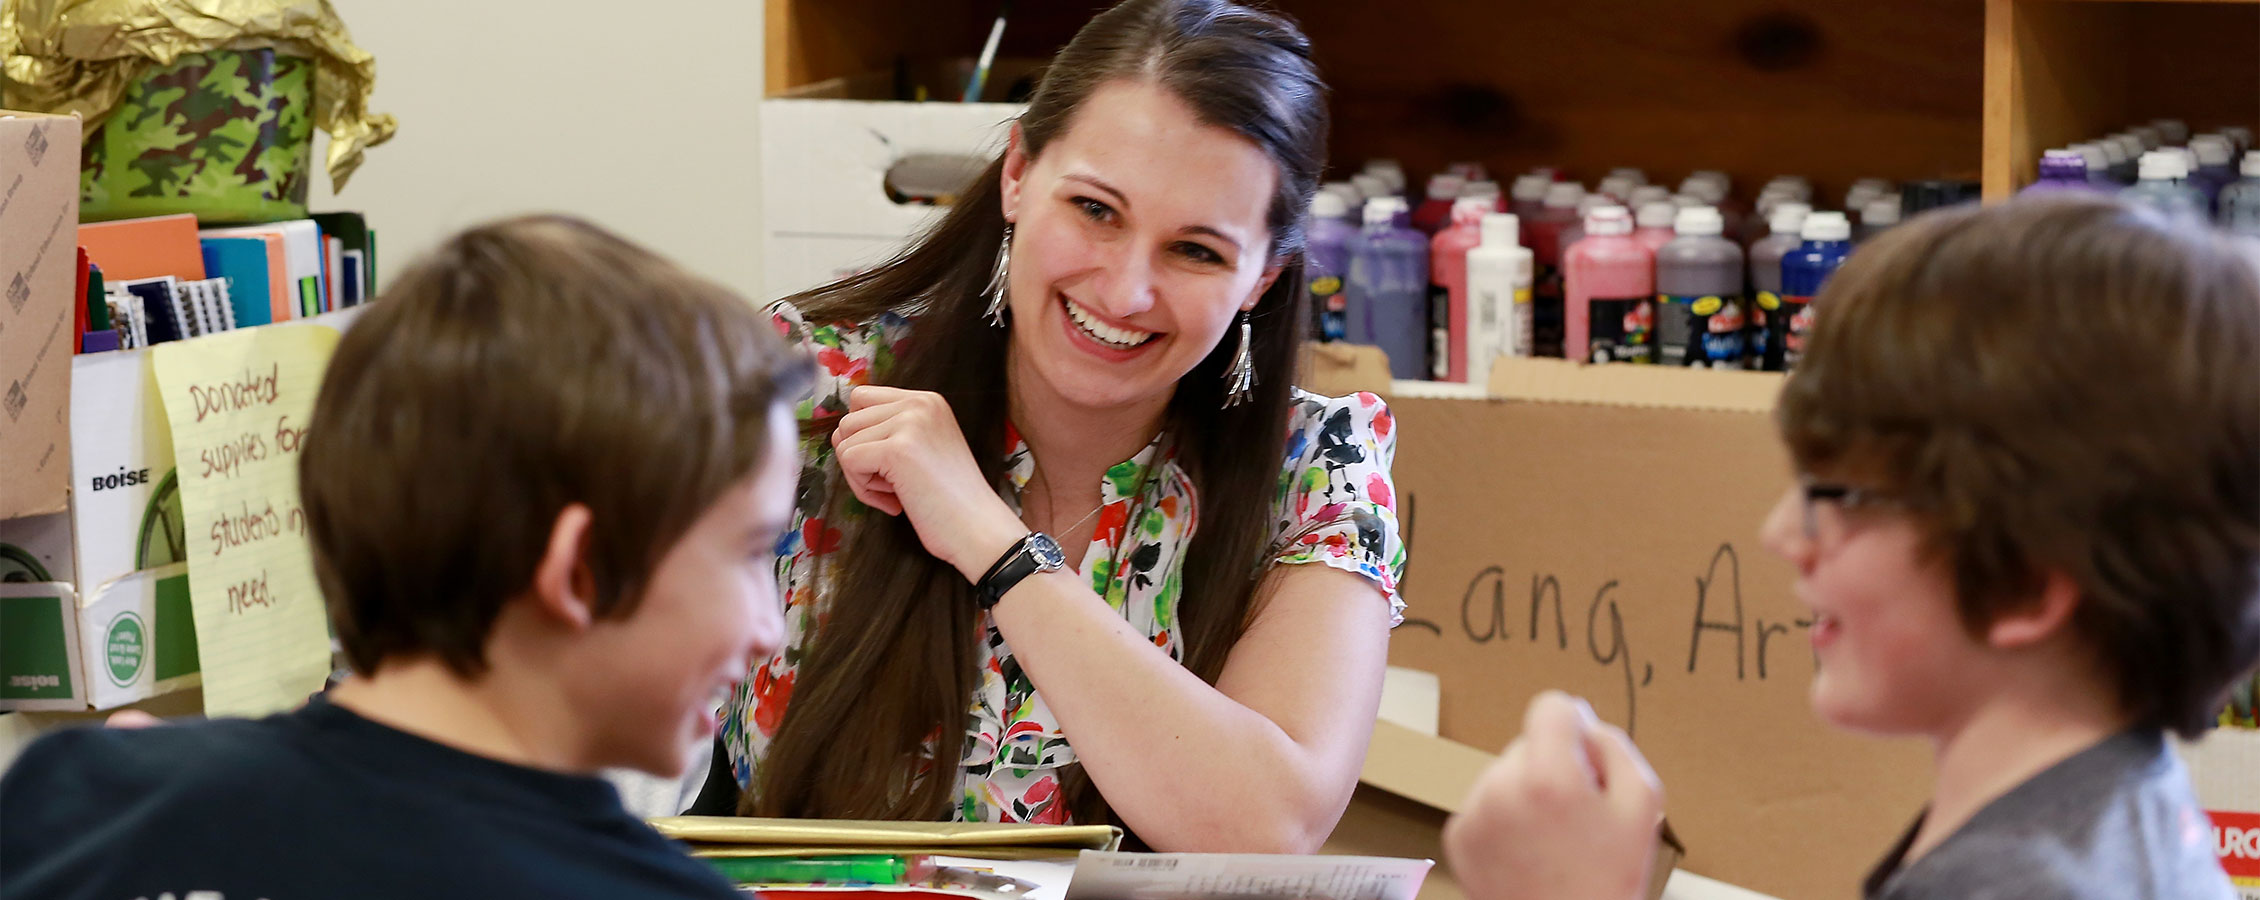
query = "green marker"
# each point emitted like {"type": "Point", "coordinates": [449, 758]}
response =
{"type": "Point", "coordinates": [811, 869]}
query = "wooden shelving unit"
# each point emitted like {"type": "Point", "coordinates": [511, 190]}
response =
{"type": "Point", "coordinates": [2060, 71]}
{"type": "Point", "coordinates": [1833, 89]}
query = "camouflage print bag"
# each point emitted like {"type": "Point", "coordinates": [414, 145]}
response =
{"type": "Point", "coordinates": [225, 135]}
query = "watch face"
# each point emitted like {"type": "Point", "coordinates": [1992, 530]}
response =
{"type": "Point", "coordinates": [1046, 552]}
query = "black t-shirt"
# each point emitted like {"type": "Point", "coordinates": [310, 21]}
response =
{"type": "Point", "coordinates": [319, 804]}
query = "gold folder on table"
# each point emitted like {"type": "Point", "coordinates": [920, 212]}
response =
{"type": "Point", "coordinates": [725, 836]}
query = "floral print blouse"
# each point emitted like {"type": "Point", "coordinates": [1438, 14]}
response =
{"type": "Point", "coordinates": [1334, 506]}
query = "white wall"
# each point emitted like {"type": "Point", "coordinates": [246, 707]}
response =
{"type": "Point", "coordinates": [639, 116]}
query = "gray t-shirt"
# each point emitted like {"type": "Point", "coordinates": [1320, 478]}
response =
{"type": "Point", "coordinates": [2115, 821]}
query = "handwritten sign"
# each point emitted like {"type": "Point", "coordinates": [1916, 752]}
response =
{"type": "Point", "coordinates": [1489, 611]}
{"type": "Point", "coordinates": [1613, 552]}
{"type": "Point", "coordinates": [238, 403]}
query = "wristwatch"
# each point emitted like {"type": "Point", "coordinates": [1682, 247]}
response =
{"type": "Point", "coordinates": [1034, 554]}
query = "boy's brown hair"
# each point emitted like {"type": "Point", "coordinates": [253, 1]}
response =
{"type": "Point", "coordinates": [522, 366]}
{"type": "Point", "coordinates": [2061, 384]}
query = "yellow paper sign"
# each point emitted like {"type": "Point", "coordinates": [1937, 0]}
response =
{"type": "Point", "coordinates": [238, 403]}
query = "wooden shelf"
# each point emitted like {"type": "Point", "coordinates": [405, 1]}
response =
{"type": "Point", "coordinates": [2062, 71]}
{"type": "Point", "coordinates": [1831, 89]}
{"type": "Point", "coordinates": [1835, 90]}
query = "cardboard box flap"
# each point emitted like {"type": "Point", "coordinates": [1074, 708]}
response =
{"type": "Point", "coordinates": [1338, 369]}
{"type": "Point", "coordinates": [1423, 768]}
{"type": "Point", "coordinates": [1562, 381]}
{"type": "Point", "coordinates": [1435, 771]}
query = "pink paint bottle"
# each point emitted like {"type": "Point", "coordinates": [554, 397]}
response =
{"type": "Point", "coordinates": [1609, 292]}
{"type": "Point", "coordinates": [1447, 292]}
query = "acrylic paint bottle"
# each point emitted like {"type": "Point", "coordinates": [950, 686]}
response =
{"type": "Point", "coordinates": [1877, 217]}
{"type": "Point", "coordinates": [2240, 202]}
{"type": "Point", "coordinates": [1610, 287]}
{"type": "Point", "coordinates": [1786, 235]}
{"type": "Point", "coordinates": [2060, 170]}
{"type": "Point", "coordinates": [1388, 289]}
{"type": "Point", "coordinates": [1390, 172]}
{"type": "Point", "coordinates": [2126, 167]}
{"type": "Point", "coordinates": [1447, 291]}
{"type": "Point", "coordinates": [2216, 167]}
{"type": "Point", "coordinates": [1699, 311]}
{"type": "Point", "coordinates": [1543, 235]}
{"type": "Point", "coordinates": [1653, 225]}
{"type": "Point", "coordinates": [1435, 211]}
{"type": "Point", "coordinates": [1326, 263]}
{"type": "Point", "coordinates": [1487, 191]}
{"type": "Point", "coordinates": [1828, 241]}
{"type": "Point", "coordinates": [1499, 272]}
{"type": "Point", "coordinates": [1528, 197]}
{"type": "Point", "coordinates": [1575, 230]}
{"type": "Point", "coordinates": [2164, 186]}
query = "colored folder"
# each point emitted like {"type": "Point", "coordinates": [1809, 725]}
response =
{"type": "Point", "coordinates": [243, 262]}
{"type": "Point", "coordinates": [132, 249]}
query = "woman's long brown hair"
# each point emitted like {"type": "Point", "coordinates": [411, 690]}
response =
{"type": "Point", "coordinates": [890, 672]}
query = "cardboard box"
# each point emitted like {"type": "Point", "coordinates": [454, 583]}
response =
{"type": "Point", "coordinates": [1594, 529]}
{"type": "Point", "coordinates": [137, 638]}
{"type": "Point", "coordinates": [37, 548]}
{"type": "Point", "coordinates": [119, 546]}
{"type": "Point", "coordinates": [125, 510]}
{"type": "Point", "coordinates": [63, 651]}
{"type": "Point", "coordinates": [2225, 769]}
{"type": "Point", "coordinates": [39, 647]}
{"type": "Point", "coordinates": [1411, 783]}
{"type": "Point", "coordinates": [131, 637]}
{"type": "Point", "coordinates": [826, 211]}
{"type": "Point", "coordinates": [38, 275]}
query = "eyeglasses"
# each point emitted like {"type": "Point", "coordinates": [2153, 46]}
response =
{"type": "Point", "coordinates": [1827, 502]}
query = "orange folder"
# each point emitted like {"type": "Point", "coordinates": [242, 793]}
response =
{"type": "Point", "coordinates": [145, 248]}
{"type": "Point", "coordinates": [280, 294]}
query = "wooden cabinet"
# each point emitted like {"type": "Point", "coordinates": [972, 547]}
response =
{"type": "Point", "coordinates": [2060, 71]}
{"type": "Point", "coordinates": [1831, 89]}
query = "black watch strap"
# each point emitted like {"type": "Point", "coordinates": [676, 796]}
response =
{"type": "Point", "coordinates": [1035, 553]}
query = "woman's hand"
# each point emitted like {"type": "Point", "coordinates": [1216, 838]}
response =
{"type": "Point", "coordinates": [901, 453]}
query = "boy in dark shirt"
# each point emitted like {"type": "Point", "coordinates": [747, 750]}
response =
{"type": "Point", "coordinates": [2027, 524]}
{"type": "Point", "coordinates": [544, 481]}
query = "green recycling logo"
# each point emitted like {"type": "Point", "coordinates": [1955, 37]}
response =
{"type": "Point", "coordinates": [126, 649]}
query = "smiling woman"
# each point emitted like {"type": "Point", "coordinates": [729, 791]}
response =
{"type": "Point", "coordinates": [1087, 595]}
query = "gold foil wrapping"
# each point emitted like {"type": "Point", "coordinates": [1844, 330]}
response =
{"type": "Point", "coordinates": [79, 56]}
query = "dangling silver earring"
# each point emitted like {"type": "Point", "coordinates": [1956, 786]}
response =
{"type": "Point", "coordinates": [1241, 378]}
{"type": "Point", "coordinates": [996, 289]}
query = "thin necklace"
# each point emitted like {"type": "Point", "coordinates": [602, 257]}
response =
{"type": "Point", "coordinates": [1071, 529]}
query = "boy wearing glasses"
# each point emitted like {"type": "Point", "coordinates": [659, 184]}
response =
{"type": "Point", "coordinates": [2028, 529]}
